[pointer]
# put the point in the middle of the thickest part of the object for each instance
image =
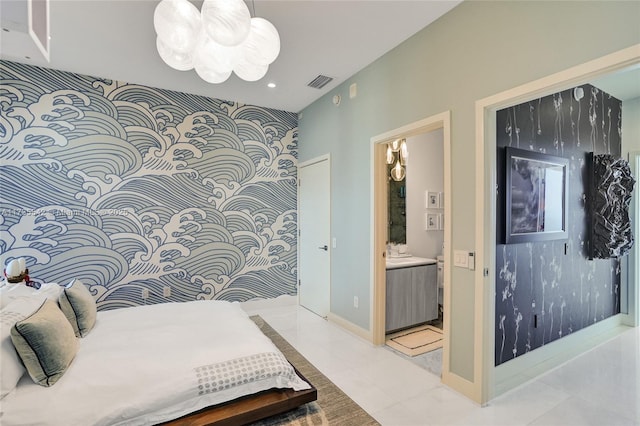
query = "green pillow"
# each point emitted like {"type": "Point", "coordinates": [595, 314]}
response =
{"type": "Point", "coordinates": [79, 307]}
{"type": "Point", "coordinates": [45, 343]}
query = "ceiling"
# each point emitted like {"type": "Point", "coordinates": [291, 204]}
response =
{"type": "Point", "coordinates": [116, 39]}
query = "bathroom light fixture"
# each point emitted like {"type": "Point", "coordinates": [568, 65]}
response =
{"type": "Point", "coordinates": [397, 153]}
{"type": "Point", "coordinates": [220, 39]}
{"type": "Point", "coordinates": [397, 172]}
{"type": "Point", "coordinates": [390, 154]}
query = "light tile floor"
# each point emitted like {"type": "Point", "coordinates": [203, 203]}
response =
{"type": "Point", "coordinates": [601, 387]}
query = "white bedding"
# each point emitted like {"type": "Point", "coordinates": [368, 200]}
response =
{"type": "Point", "coordinates": [154, 363]}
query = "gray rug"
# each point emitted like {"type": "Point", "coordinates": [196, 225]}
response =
{"type": "Point", "coordinates": [431, 361]}
{"type": "Point", "coordinates": [333, 406]}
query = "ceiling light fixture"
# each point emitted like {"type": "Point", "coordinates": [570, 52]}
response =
{"type": "Point", "coordinates": [271, 85]}
{"type": "Point", "coordinates": [397, 152]}
{"type": "Point", "coordinates": [220, 39]}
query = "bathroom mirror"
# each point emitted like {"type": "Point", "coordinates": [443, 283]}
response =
{"type": "Point", "coordinates": [396, 204]}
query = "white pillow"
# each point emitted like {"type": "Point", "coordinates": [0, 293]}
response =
{"type": "Point", "coordinates": [11, 368]}
{"type": "Point", "coordinates": [11, 292]}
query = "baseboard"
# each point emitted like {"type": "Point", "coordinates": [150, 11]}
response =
{"type": "Point", "coordinates": [349, 326]}
{"type": "Point", "coordinates": [526, 367]}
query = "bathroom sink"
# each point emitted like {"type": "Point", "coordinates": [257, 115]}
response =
{"type": "Point", "coordinates": [404, 262]}
{"type": "Point", "coordinates": [399, 259]}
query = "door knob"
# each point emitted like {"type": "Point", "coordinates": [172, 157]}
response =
{"type": "Point", "coordinates": [324, 247]}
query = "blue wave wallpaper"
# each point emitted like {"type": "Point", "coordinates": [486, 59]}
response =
{"type": "Point", "coordinates": [128, 188]}
{"type": "Point", "coordinates": [548, 290]}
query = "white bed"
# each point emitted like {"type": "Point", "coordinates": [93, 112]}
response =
{"type": "Point", "coordinates": [150, 364]}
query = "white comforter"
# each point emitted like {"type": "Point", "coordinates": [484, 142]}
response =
{"type": "Point", "coordinates": [154, 363]}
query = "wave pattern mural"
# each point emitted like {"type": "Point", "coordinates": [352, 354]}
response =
{"type": "Point", "coordinates": [129, 187]}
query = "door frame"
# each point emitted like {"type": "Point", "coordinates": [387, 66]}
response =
{"type": "Point", "coordinates": [315, 160]}
{"type": "Point", "coordinates": [379, 222]}
{"type": "Point", "coordinates": [484, 362]}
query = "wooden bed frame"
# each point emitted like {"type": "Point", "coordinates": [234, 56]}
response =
{"type": "Point", "coordinates": [249, 408]}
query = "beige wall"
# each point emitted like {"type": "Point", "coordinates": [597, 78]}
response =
{"type": "Point", "coordinates": [630, 127]}
{"type": "Point", "coordinates": [476, 50]}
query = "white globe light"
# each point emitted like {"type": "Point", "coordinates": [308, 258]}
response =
{"type": "Point", "coordinates": [214, 56]}
{"type": "Point", "coordinates": [210, 75]}
{"type": "Point", "coordinates": [249, 71]}
{"type": "Point", "coordinates": [177, 23]}
{"type": "Point", "coordinates": [226, 21]}
{"type": "Point", "coordinates": [262, 46]}
{"type": "Point", "coordinates": [176, 60]}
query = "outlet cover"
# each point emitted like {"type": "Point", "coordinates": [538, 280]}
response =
{"type": "Point", "coordinates": [166, 291]}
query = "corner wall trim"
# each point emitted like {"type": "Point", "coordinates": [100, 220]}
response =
{"type": "Point", "coordinates": [461, 385]}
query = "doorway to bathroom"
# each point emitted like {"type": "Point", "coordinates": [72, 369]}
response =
{"type": "Point", "coordinates": [425, 218]}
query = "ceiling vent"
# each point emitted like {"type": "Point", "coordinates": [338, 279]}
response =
{"type": "Point", "coordinates": [320, 81]}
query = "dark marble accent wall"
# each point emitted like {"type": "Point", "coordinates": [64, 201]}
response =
{"type": "Point", "coordinates": [547, 290]}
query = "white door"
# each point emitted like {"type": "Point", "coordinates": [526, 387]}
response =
{"type": "Point", "coordinates": [314, 266]}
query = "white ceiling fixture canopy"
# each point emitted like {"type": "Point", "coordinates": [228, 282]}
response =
{"type": "Point", "coordinates": [221, 39]}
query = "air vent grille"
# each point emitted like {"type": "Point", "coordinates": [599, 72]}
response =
{"type": "Point", "coordinates": [320, 81]}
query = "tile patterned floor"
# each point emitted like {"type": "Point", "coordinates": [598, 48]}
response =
{"type": "Point", "coordinates": [601, 387]}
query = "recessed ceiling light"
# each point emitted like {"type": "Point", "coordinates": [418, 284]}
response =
{"type": "Point", "coordinates": [271, 85]}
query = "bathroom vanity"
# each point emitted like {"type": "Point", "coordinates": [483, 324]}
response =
{"type": "Point", "coordinates": [412, 292]}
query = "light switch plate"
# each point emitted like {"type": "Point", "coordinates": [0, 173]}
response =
{"type": "Point", "coordinates": [472, 261]}
{"type": "Point", "coordinates": [461, 258]}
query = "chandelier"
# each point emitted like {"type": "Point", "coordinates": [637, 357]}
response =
{"type": "Point", "coordinates": [220, 39]}
{"type": "Point", "coordinates": [397, 152]}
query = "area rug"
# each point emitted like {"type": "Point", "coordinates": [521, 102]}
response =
{"type": "Point", "coordinates": [333, 406]}
{"type": "Point", "coordinates": [416, 341]}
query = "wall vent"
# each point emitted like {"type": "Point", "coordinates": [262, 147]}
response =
{"type": "Point", "coordinates": [320, 81]}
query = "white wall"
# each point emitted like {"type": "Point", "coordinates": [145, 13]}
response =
{"type": "Point", "coordinates": [425, 172]}
{"type": "Point", "coordinates": [630, 144]}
